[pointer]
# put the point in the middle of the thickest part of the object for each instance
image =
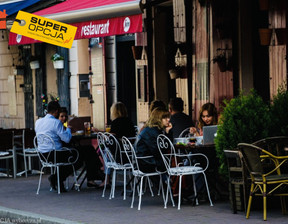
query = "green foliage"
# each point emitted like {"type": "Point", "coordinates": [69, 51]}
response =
{"type": "Point", "coordinates": [56, 57]}
{"type": "Point", "coordinates": [278, 110]}
{"type": "Point", "coordinates": [244, 119]}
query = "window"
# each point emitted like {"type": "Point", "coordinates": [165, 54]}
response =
{"type": "Point", "coordinates": [84, 85]}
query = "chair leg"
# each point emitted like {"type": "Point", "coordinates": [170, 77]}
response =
{"type": "Point", "coordinates": [113, 184]}
{"type": "Point", "coordinates": [250, 201]}
{"type": "Point", "coordinates": [40, 179]}
{"type": "Point", "coordinates": [264, 202]}
{"type": "Point", "coordinates": [133, 194]}
{"type": "Point", "coordinates": [207, 189]}
{"type": "Point", "coordinates": [25, 165]}
{"type": "Point", "coordinates": [14, 163]}
{"type": "Point", "coordinates": [233, 198]}
{"type": "Point", "coordinates": [179, 192]}
{"type": "Point", "coordinates": [104, 188]}
{"type": "Point", "coordinates": [58, 179]}
{"type": "Point", "coordinates": [140, 195]}
{"type": "Point", "coordinates": [124, 196]}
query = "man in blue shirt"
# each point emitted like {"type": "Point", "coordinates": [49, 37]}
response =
{"type": "Point", "coordinates": [52, 126]}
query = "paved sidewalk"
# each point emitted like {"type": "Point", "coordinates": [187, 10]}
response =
{"type": "Point", "coordinates": [20, 204]}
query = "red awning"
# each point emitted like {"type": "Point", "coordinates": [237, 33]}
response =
{"type": "Point", "coordinates": [117, 21]}
{"type": "Point", "coordinates": [72, 11]}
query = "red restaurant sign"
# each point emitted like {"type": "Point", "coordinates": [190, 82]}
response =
{"type": "Point", "coordinates": [97, 28]}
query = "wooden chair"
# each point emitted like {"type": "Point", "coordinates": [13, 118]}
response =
{"type": "Point", "coordinates": [264, 183]}
{"type": "Point", "coordinates": [237, 180]}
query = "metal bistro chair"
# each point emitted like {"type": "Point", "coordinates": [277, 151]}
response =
{"type": "Point", "coordinates": [116, 161]}
{"type": "Point", "coordinates": [137, 173]}
{"type": "Point", "coordinates": [185, 133]}
{"type": "Point", "coordinates": [7, 149]}
{"type": "Point", "coordinates": [165, 145]}
{"type": "Point", "coordinates": [47, 140]}
{"type": "Point", "coordinates": [264, 183]}
{"type": "Point", "coordinates": [27, 149]}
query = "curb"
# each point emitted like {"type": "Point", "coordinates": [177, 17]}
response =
{"type": "Point", "coordinates": [8, 215]}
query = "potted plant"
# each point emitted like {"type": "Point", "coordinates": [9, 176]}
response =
{"type": "Point", "coordinates": [175, 73]}
{"type": "Point", "coordinates": [58, 61]}
{"type": "Point", "coordinates": [34, 62]}
{"type": "Point", "coordinates": [265, 36]}
{"type": "Point", "coordinates": [244, 119]}
{"type": "Point", "coordinates": [278, 112]}
{"type": "Point", "coordinates": [220, 59]}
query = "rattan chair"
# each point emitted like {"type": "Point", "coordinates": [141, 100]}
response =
{"type": "Point", "coordinates": [176, 167]}
{"type": "Point", "coordinates": [264, 183]}
{"type": "Point", "coordinates": [54, 165]}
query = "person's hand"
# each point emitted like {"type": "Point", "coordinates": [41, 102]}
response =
{"type": "Point", "coordinates": [168, 128]}
{"type": "Point", "coordinates": [193, 131]}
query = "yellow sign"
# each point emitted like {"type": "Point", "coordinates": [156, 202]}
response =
{"type": "Point", "coordinates": [43, 29]}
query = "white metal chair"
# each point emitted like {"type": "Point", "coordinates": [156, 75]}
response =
{"type": "Point", "coordinates": [27, 150]}
{"type": "Point", "coordinates": [184, 133]}
{"type": "Point", "coordinates": [180, 170]}
{"type": "Point", "coordinates": [114, 161]}
{"type": "Point", "coordinates": [7, 150]}
{"type": "Point", "coordinates": [47, 140]}
{"type": "Point", "coordinates": [137, 173]}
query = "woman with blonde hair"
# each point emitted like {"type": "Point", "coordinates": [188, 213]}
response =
{"type": "Point", "coordinates": [146, 142]}
{"type": "Point", "coordinates": [121, 125]}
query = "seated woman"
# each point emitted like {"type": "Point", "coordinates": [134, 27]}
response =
{"type": "Point", "coordinates": [121, 125]}
{"type": "Point", "coordinates": [87, 154]}
{"type": "Point", "coordinates": [146, 141]}
{"type": "Point", "coordinates": [207, 116]}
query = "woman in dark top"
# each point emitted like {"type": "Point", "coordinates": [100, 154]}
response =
{"type": "Point", "coordinates": [121, 125]}
{"type": "Point", "coordinates": [146, 142]}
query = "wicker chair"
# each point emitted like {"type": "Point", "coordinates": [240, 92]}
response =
{"type": "Point", "coordinates": [264, 183]}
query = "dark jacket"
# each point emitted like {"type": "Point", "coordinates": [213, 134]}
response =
{"type": "Point", "coordinates": [123, 126]}
{"type": "Point", "coordinates": [146, 145]}
{"type": "Point", "coordinates": [180, 121]}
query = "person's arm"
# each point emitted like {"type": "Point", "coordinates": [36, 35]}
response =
{"type": "Point", "coordinates": [65, 135]}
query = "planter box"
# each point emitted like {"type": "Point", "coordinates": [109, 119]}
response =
{"type": "Point", "coordinates": [58, 64]}
{"type": "Point", "coordinates": [265, 36]}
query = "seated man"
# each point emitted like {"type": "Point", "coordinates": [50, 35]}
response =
{"type": "Point", "coordinates": [179, 120]}
{"type": "Point", "coordinates": [53, 127]}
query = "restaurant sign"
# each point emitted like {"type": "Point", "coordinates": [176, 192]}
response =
{"type": "Point", "coordinates": [96, 28]}
{"type": "Point", "coordinates": [43, 29]}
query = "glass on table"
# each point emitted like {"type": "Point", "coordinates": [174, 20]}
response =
{"type": "Point", "coordinates": [108, 128]}
{"type": "Point", "coordinates": [87, 128]}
